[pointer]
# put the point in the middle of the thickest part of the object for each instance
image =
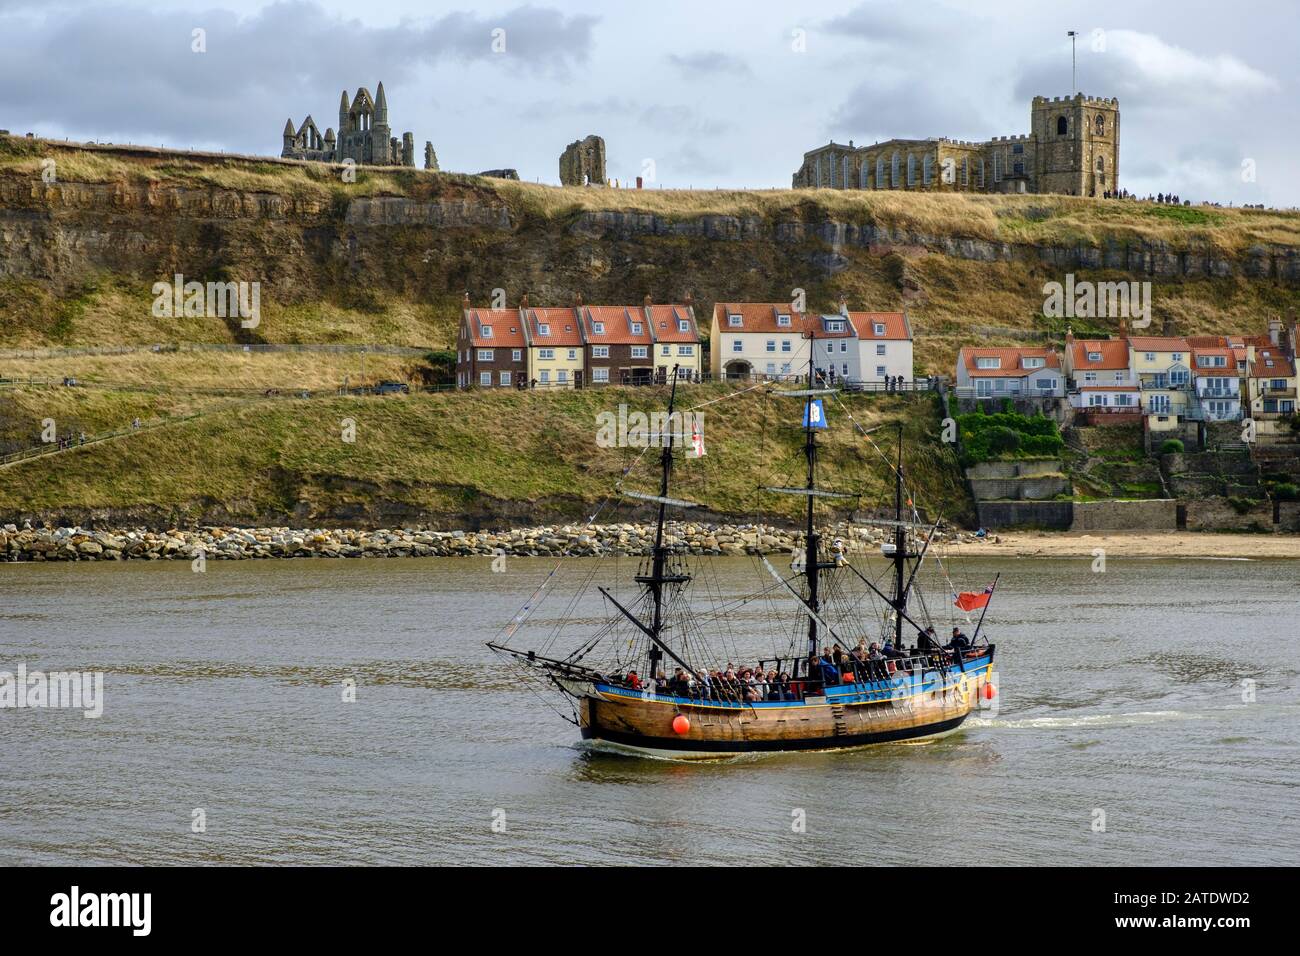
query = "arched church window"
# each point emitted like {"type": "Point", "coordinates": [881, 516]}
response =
{"type": "Point", "coordinates": [911, 170]}
{"type": "Point", "coordinates": [1062, 126]}
{"type": "Point", "coordinates": [893, 170]}
{"type": "Point", "coordinates": [927, 169]}
{"type": "Point", "coordinates": [880, 172]}
{"type": "Point", "coordinates": [1100, 125]}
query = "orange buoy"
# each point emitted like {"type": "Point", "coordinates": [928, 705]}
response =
{"type": "Point", "coordinates": [990, 692]}
{"type": "Point", "coordinates": [681, 724]}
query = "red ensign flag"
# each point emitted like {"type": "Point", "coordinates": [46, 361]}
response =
{"type": "Point", "coordinates": [974, 600]}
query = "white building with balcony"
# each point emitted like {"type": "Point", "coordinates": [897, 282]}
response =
{"type": "Point", "coordinates": [1217, 385]}
{"type": "Point", "coordinates": [997, 373]}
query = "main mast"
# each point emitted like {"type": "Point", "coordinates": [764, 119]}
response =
{"type": "Point", "coordinates": [900, 547]}
{"type": "Point", "coordinates": [810, 450]}
{"type": "Point", "coordinates": [659, 575]}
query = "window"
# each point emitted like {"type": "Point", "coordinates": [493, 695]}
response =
{"type": "Point", "coordinates": [598, 328]}
{"type": "Point", "coordinates": [880, 172]}
{"type": "Point", "coordinates": [1178, 356]}
{"type": "Point", "coordinates": [1179, 376]}
{"type": "Point", "coordinates": [1089, 377]}
{"type": "Point", "coordinates": [505, 378]}
{"type": "Point", "coordinates": [485, 355]}
{"type": "Point", "coordinates": [485, 378]}
{"type": "Point", "coordinates": [1277, 384]}
{"type": "Point", "coordinates": [844, 345]}
{"type": "Point", "coordinates": [737, 345]}
{"type": "Point", "coordinates": [600, 351]}
{"type": "Point", "coordinates": [1062, 126]}
{"type": "Point", "coordinates": [988, 363]}
{"type": "Point", "coordinates": [516, 355]}
{"type": "Point", "coordinates": [562, 375]}
{"type": "Point", "coordinates": [785, 368]}
{"type": "Point", "coordinates": [983, 387]}
{"type": "Point", "coordinates": [880, 348]}
{"type": "Point", "coordinates": [600, 374]}
{"type": "Point", "coordinates": [927, 169]}
{"type": "Point", "coordinates": [1150, 356]}
{"type": "Point", "coordinates": [686, 350]}
{"type": "Point", "coordinates": [734, 321]}
{"type": "Point", "coordinates": [835, 326]}
{"type": "Point", "coordinates": [785, 345]}
{"type": "Point", "coordinates": [543, 329]}
{"type": "Point", "coordinates": [771, 345]}
{"type": "Point", "coordinates": [1094, 356]}
{"type": "Point", "coordinates": [771, 368]}
{"type": "Point", "coordinates": [783, 321]}
{"type": "Point", "coordinates": [545, 376]}
{"type": "Point", "coordinates": [830, 347]}
{"type": "Point", "coordinates": [665, 350]}
{"type": "Point", "coordinates": [893, 170]}
{"type": "Point", "coordinates": [1099, 125]}
{"type": "Point", "coordinates": [911, 170]}
{"type": "Point", "coordinates": [880, 371]}
{"type": "Point", "coordinates": [1124, 398]}
{"type": "Point", "coordinates": [545, 355]}
{"type": "Point", "coordinates": [487, 331]}
{"type": "Point", "coordinates": [636, 328]}
{"type": "Point", "coordinates": [1044, 384]}
{"type": "Point", "coordinates": [1034, 361]}
{"type": "Point", "coordinates": [879, 328]}
{"type": "Point", "coordinates": [639, 351]}
{"type": "Point", "coordinates": [683, 325]}
{"type": "Point", "coordinates": [573, 354]}
{"type": "Point", "coordinates": [845, 368]}
{"type": "Point", "coordinates": [1017, 149]}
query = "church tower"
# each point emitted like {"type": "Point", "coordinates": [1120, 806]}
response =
{"type": "Point", "coordinates": [1076, 144]}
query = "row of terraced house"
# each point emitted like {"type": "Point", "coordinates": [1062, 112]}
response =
{"type": "Point", "coordinates": [1163, 381]}
{"type": "Point", "coordinates": [586, 345]}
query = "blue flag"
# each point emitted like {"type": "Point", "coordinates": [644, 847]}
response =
{"type": "Point", "coordinates": [814, 415]}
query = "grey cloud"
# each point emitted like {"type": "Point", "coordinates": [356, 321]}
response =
{"type": "Point", "coordinates": [709, 62]}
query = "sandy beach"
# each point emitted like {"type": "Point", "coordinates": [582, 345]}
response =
{"type": "Point", "coordinates": [1147, 544]}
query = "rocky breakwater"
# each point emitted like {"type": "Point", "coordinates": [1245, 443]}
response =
{"type": "Point", "coordinates": [77, 544]}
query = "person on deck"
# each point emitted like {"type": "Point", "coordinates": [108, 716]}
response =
{"type": "Point", "coordinates": [633, 680]}
{"type": "Point", "coordinates": [960, 642]}
{"type": "Point", "coordinates": [680, 685]}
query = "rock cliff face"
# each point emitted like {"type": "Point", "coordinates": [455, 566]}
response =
{"type": "Point", "coordinates": [461, 234]}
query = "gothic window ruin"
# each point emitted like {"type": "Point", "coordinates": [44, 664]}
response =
{"type": "Point", "coordinates": [880, 172]}
{"type": "Point", "coordinates": [893, 170]}
{"type": "Point", "coordinates": [979, 172]}
{"type": "Point", "coordinates": [1062, 126]}
{"type": "Point", "coordinates": [927, 169]}
{"type": "Point", "coordinates": [1100, 125]}
{"type": "Point", "coordinates": [911, 170]}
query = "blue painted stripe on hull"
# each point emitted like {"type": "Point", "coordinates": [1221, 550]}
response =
{"type": "Point", "coordinates": [771, 746]}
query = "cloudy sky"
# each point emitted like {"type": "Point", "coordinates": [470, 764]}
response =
{"type": "Point", "coordinates": [696, 93]}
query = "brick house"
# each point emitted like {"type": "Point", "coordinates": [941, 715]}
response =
{"type": "Point", "coordinates": [618, 344]}
{"type": "Point", "coordinates": [491, 348]}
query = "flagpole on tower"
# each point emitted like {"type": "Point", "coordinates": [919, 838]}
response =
{"type": "Point", "coordinates": [1074, 82]}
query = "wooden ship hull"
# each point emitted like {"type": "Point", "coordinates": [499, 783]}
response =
{"type": "Point", "coordinates": [906, 708]}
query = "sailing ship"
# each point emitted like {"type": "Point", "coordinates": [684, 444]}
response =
{"type": "Point", "coordinates": [826, 696]}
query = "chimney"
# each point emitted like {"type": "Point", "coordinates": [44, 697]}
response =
{"type": "Point", "coordinates": [1123, 328]}
{"type": "Point", "coordinates": [465, 301]}
{"type": "Point", "coordinates": [578, 301]}
{"type": "Point", "coordinates": [1275, 331]}
{"type": "Point", "coordinates": [844, 306]}
{"type": "Point", "coordinates": [646, 301]}
{"type": "Point", "coordinates": [1069, 335]}
{"type": "Point", "coordinates": [523, 302]}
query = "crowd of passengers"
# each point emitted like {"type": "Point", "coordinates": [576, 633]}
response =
{"type": "Point", "coordinates": [866, 662]}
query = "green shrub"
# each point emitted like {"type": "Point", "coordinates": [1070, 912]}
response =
{"type": "Point", "coordinates": [1171, 446]}
{"type": "Point", "coordinates": [1286, 491]}
{"type": "Point", "coordinates": [1003, 440]}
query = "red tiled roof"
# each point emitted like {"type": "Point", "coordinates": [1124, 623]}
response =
{"type": "Point", "coordinates": [1228, 355]}
{"type": "Point", "coordinates": [563, 328]}
{"type": "Point", "coordinates": [1208, 341]}
{"type": "Point", "coordinates": [507, 332]}
{"type": "Point", "coordinates": [1011, 361]}
{"type": "Point", "coordinates": [617, 321]}
{"type": "Point", "coordinates": [896, 325]}
{"type": "Point", "coordinates": [1282, 367]}
{"type": "Point", "coordinates": [665, 319]}
{"type": "Point", "coordinates": [757, 316]}
{"type": "Point", "coordinates": [1159, 343]}
{"type": "Point", "coordinates": [821, 326]}
{"type": "Point", "coordinates": [1114, 354]}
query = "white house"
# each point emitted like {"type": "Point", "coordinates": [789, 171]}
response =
{"type": "Point", "coordinates": [749, 339]}
{"type": "Point", "coordinates": [994, 373]}
{"type": "Point", "coordinates": [884, 345]}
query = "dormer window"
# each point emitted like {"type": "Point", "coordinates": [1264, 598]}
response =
{"type": "Point", "coordinates": [988, 363]}
{"type": "Point", "coordinates": [835, 325]}
{"type": "Point", "coordinates": [1034, 361]}
{"type": "Point", "coordinates": [879, 328]}
{"type": "Point", "coordinates": [1094, 356]}
{"type": "Point", "coordinates": [734, 321]}
{"type": "Point", "coordinates": [487, 331]}
{"type": "Point", "coordinates": [636, 328]}
{"type": "Point", "coordinates": [683, 325]}
{"type": "Point", "coordinates": [783, 321]}
{"type": "Point", "coordinates": [598, 328]}
{"type": "Point", "coordinates": [543, 329]}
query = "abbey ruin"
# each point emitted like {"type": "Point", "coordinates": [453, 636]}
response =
{"type": "Point", "coordinates": [583, 163]}
{"type": "Point", "coordinates": [1072, 148]}
{"type": "Point", "coordinates": [364, 136]}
